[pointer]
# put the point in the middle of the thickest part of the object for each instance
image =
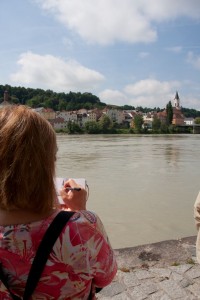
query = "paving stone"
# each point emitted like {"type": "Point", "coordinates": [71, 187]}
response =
{"type": "Point", "coordinates": [194, 289]}
{"type": "Point", "coordinates": [137, 293]}
{"type": "Point", "coordinates": [181, 269]}
{"type": "Point", "coordinates": [113, 289]}
{"type": "Point", "coordinates": [122, 296]}
{"type": "Point", "coordinates": [130, 279]}
{"type": "Point", "coordinates": [194, 272]}
{"type": "Point", "coordinates": [143, 274]}
{"type": "Point", "coordinates": [186, 282]}
{"type": "Point", "coordinates": [190, 296]}
{"type": "Point", "coordinates": [176, 277]}
{"type": "Point", "coordinates": [101, 297]}
{"type": "Point", "coordinates": [173, 289]}
{"type": "Point", "coordinates": [160, 295]}
{"type": "Point", "coordinates": [149, 288]}
{"type": "Point", "coordinates": [161, 272]}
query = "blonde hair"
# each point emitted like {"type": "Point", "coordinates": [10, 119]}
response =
{"type": "Point", "coordinates": [27, 160]}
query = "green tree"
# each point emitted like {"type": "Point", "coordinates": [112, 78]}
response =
{"type": "Point", "coordinates": [105, 124]}
{"type": "Point", "coordinates": [92, 127]}
{"type": "Point", "coordinates": [169, 111]}
{"type": "Point", "coordinates": [73, 127]}
{"type": "Point", "coordinates": [164, 128]}
{"type": "Point", "coordinates": [156, 124]}
{"type": "Point", "coordinates": [34, 102]}
{"type": "Point", "coordinates": [61, 105]}
{"type": "Point", "coordinates": [138, 122]}
{"type": "Point", "coordinates": [197, 120]}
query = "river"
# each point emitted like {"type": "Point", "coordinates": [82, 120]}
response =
{"type": "Point", "coordinates": [143, 187]}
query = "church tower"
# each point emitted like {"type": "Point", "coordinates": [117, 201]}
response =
{"type": "Point", "coordinates": [5, 101]}
{"type": "Point", "coordinates": [177, 101]}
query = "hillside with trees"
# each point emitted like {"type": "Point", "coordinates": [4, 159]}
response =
{"type": "Point", "coordinates": [49, 99]}
{"type": "Point", "coordinates": [70, 101]}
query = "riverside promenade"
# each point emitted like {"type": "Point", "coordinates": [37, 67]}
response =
{"type": "Point", "coordinates": [159, 271]}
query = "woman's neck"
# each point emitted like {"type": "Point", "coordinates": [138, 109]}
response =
{"type": "Point", "coordinates": [15, 217]}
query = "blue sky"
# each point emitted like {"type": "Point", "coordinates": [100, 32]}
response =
{"type": "Point", "coordinates": [136, 52]}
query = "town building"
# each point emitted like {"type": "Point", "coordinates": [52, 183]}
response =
{"type": "Point", "coordinates": [189, 121]}
{"type": "Point", "coordinates": [178, 117]}
{"type": "Point", "coordinates": [115, 115]}
{"type": "Point", "coordinates": [67, 115]}
{"type": "Point", "coordinates": [47, 113]}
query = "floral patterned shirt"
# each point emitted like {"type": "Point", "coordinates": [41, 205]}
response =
{"type": "Point", "coordinates": [81, 255]}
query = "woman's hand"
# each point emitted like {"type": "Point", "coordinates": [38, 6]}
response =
{"type": "Point", "coordinates": [74, 199]}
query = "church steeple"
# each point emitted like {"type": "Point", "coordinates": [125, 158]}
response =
{"type": "Point", "coordinates": [177, 101]}
{"type": "Point", "coordinates": [6, 96]}
{"type": "Point", "coordinates": [5, 101]}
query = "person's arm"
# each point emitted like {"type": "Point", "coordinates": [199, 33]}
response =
{"type": "Point", "coordinates": [197, 211]}
{"type": "Point", "coordinates": [104, 266]}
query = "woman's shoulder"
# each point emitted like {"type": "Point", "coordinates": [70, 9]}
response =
{"type": "Point", "coordinates": [87, 222]}
{"type": "Point", "coordinates": [85, 216]}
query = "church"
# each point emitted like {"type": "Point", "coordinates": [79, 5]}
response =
{"type": "Point", "coordinates": [178, 117]}
{"type": "Point", "coordinates": [5, 101]}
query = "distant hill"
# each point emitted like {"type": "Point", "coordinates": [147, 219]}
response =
{"type": "Point", "coordinates": [57, 101]}
{"type": "Point", "coordinates": [69, 101]}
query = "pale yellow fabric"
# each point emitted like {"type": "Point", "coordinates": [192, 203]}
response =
{"type": "Point", "coordinates": [197, 222]}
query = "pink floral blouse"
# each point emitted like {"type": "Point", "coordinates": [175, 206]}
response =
{"type": "Point", "coordinates": [81, 255]}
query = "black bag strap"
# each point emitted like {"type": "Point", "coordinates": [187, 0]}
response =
{"type": "Point", "coordinates": [4, 280]}
{"type": "Point", "coordinates": [44, 250]}
{"type": "Point", "coordinates": [42, 254]}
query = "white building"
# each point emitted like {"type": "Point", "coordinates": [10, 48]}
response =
{"type": "Point", "coordinates": [58, 123]}
{"type": "Point", "coordinates": [148, 119]}
{"type": "Point", "coordinates": [67, 116]}
{"type": "Point", "coordinates": [189, 121]}
{"type": "Point", "coordinates": [115, 115]}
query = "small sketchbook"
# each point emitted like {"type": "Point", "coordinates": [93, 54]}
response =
{"type": "Point", "coordinates": [59, 182]}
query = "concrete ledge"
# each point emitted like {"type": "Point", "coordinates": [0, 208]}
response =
{"type": "Point", "coordinates": [161, 254]}
{"type": "Point", "coordinates": [160, 271]}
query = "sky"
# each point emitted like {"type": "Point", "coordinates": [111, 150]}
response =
{"type": "Point", "coordinates": [134, 52]}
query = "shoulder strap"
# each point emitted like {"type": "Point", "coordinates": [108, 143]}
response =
{"type": "Point", "coordinates": [44, 250]}
{"type": "Point", "coordinates": [5, 283]}
{"type": "Point", "coordinates": [42, 254]}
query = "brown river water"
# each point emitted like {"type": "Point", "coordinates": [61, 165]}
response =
{"type": "Point", "coordinates": [143, 187]}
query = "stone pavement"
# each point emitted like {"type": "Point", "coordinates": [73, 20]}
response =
{"type": "Point", "coordinates": [160, 271]}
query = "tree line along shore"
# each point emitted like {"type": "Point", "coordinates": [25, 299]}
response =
{"type": "Point", "coordinates": [92, 116]}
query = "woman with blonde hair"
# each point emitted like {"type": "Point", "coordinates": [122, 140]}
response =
{"type": "Point", "coordinates": [81, 258]}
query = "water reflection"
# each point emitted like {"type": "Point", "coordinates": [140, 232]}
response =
{"type": "Point", "coordinates": [172, 154]}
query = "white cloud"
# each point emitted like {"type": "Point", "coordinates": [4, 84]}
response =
{"type": "Point", "coordinates": [151, 87]}
{"type": "Point", "coordinates": [194, 60]}
{"type": "Point", "coordinates": [50, 72]}
{"type": "Point", "coordinates": [165, 10]}
{"type": "Point", "coordinates": [114, 97]}
{"type": "Point", "coordinates": [108, 21]}
{"type": "Point", "coordinates": [146, 93]}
